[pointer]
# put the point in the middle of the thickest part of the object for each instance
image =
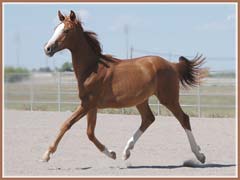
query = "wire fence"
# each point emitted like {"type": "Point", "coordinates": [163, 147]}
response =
{"type": "Point", "coordinates": [57, 91]}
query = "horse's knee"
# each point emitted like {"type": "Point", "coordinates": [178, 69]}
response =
{"type": "Point", "coordinates": [90, 135]}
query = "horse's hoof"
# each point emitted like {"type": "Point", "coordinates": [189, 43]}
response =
{"type": "Point", "coordinates": [126, 155]}
{"type": "Point", "coordinates": [113, 155]}
{"type": "Point", "coordinates": [201, 157]}
{"type": "Point", "coordinates": [44, 160]}
{"type": "Point", "coordinates": [45, 157]}
{"type": "Point", "coordinates": [109, 153]}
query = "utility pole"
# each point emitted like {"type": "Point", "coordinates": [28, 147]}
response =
{"type": "Point", "coordinates": [131, 52]}
{"type": "Point", "coordinates": [18, 44]}
{"type": "Point", "coordinates": [46, 60]}
{"type": "Point", "coordinates": [54, 66]}
{"type": "Point", "coordinates": [126, 32]}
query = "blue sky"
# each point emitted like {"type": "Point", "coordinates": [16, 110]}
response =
{"type": "Point", "coordinates": [182, 29]}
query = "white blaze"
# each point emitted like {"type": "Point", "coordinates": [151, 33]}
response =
{"type": "Point", "coordinates": [56, 34]}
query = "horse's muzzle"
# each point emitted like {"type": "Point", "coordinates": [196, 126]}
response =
{"type": "Point", "coordinates": [50, 49]}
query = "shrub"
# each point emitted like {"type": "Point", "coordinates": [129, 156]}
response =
{"type": "Point", "coordinates": [12, 74]}
{"type": "Point", "coordinates": [67, 66]}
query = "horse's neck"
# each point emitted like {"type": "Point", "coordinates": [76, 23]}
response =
{"type": "Point", "coordinates": [83, 58]}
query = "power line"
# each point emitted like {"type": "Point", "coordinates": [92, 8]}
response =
{"type": "Point", "coordinates": [177, 55]}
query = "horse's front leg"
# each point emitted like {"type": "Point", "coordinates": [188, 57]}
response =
{"type": "Point", "coordinates": [78, 114]}
{"type": "Point", "coordinates": [91, 120]}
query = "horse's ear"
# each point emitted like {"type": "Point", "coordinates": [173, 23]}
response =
{"type": "Point", "coordinates": [61, 17]}
{"type": "Point", "coordinates": [72, 15]}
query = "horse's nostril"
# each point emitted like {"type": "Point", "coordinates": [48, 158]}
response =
{"type": "Point", "coordinates": [48, 49]}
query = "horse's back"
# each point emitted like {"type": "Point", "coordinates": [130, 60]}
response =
{"type": "Point", "coordinates": [133, 81]}
{"type": "Point", "coordinates": [157, 62]}
{"type": "Point", "coordinates": [150, 65]}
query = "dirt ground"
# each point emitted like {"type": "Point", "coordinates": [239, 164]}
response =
{"type": "Point", "coordinates": [163, 150]}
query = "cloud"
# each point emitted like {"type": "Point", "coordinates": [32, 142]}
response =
{"type": "Point", "coordinates": [227, 23]}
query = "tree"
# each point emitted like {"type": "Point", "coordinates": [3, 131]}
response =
{"type": "Point", "coordinates": [67, 66]}
{"type": "Point", "coordinates": [44, 69]}
{"type": "Point", "coordinates": [15, 74]}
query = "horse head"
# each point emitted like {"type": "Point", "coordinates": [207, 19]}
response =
{"type": "Point", "coordinates": [64, 35]}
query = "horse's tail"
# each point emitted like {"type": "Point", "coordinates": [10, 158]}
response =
{"type": "Point", "coordinates": [190, 72]}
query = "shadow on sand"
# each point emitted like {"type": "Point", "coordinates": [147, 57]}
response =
{"type": "Point", "coordinates": [182, 166]}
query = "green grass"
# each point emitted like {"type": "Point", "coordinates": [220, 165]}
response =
{"type": "Point", "coordinates": [46, 90]}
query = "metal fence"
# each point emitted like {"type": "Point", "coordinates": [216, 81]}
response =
{"type": "Point", "coordinates": [58, 92]}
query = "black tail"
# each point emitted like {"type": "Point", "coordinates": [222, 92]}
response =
{"type": "Point", "coordinates": [190, 72]}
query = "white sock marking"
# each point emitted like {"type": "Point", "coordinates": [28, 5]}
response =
{"type": "Point", "coordinates": [107, 152]}
{"type": "Point", "coordinates": [192, 141]}
{"type": "Point", "coordinates": [46, 156]}
{"type": "Point", "coordinates": [131, 142]}
{"type": "Point", "coordinates": [135, 137]}
{"type": "Point", "coordinates": [195, 148]}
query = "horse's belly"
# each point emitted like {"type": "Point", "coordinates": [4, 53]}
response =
{"type": "Point", "coordinates": [125, 99]}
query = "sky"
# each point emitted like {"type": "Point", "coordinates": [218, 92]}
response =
{"type": "Point", "coordinates": [167, 30]}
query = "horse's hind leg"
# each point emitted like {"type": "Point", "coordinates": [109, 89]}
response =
{"type": "Point", "coordinates": [147, 119]}
{"type": "Point", "coordinates": [91, 123]}
{"type": "Point", "coordinates": [184, 121]}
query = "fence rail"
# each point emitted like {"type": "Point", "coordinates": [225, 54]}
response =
{"type": "Point", "coordinates": [58, 91]}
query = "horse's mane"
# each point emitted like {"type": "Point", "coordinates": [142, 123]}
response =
{"type": "Point", "coordinates": [92, 40]}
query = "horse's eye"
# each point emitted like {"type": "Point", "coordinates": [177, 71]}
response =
{"type": "Point", "coordinates": [66, 31]}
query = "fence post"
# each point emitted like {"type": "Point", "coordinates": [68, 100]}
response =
{"type": "Point", "coordinates": [5, 90]}
{"type": "Point", "coordinates": [31, 92]}
{"type": "Point", "coordinates": [59, 91]}
{"type": "Point", "coordinates": [199, 97]}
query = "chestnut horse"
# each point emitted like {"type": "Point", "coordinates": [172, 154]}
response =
{"type": "Point", "coordinates": [107, 82]}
